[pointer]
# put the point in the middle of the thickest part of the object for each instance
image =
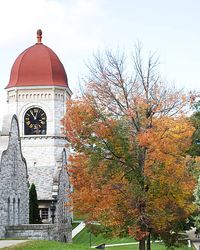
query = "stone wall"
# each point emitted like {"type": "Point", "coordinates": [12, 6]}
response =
{"type": "Point", "coordinates": [63, 219]}
{"type": "Point", "coordinates": [14, 198]}
{"type": "Point", "coordinates": [31, 231]}
{"type": "Point", "coordinates": [61, 230]}
{"type": "Point", "coordinates": [42, 155]}
{"type": "Point", "coordinates": [42, 152]}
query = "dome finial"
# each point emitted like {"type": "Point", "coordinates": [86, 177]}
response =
{"type": "Point", "coordinates": [39, 36]}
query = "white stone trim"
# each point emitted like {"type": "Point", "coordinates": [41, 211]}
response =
{"type": "Point", "coordinates": [40, 87]}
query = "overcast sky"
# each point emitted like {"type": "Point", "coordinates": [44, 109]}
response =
{"type": "Point", "coordinates": [75, 29]}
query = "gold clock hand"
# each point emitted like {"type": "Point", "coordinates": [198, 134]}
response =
{"type": "Point", "coordinates": [32, 114]}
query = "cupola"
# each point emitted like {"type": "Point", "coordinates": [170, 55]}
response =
{"type": "Point", "coordinates": [38, 65]}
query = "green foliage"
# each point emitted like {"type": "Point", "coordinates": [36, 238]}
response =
{"type": "Point", "coordinates": [195, 119]}
{"type": "Point", "coordinates": [34, 216]}
{"type": "Point", "coordinates": [196, 217]}
{"type": "Point", "coordinates": [195, 151]}
{"type": "Point", "coordinates": [197, 193]}
{"type": "Point", "coordinates": [174, 240]}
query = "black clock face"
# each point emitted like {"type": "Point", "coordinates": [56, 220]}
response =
{"type": "Point", "coordinates": [35, 122]}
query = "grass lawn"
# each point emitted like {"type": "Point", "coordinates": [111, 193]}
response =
{"type": "Point", "coordinates": [51, 245]}
{"type": "Point", "coordinates": [46, 245]}
{"type": "Point", "coordinates": [82, 242]}
{"type": "Point", "coordinates": [84, 238]}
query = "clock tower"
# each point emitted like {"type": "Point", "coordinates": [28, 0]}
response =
{"type": "Point", "coordinates": [37, 93]}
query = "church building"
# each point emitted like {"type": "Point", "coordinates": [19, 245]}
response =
{"type": "Point", "coordinates": [37, 92]}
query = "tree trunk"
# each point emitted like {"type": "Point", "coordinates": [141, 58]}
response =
{"type": "Point", "coordinates": [149, 242]}
{"type": "Point", "coordinates": [142, 244]}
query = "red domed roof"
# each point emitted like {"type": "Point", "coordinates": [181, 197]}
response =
{"type": "Point", "coordinates": [38, 66]}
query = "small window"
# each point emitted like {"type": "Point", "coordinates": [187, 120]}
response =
{"type": "Point", "coordinates": [44, 213]}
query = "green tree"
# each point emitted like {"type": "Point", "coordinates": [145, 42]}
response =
{"type": "Point", "coordinates": [194, 151]}
{"type": "Point", "coordinates": [34, 216]}
{"type": "Point", "coordinates": [195, 119]}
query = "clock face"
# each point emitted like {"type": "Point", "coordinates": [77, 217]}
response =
{"type": "Point", "coordinates": [35, 122]}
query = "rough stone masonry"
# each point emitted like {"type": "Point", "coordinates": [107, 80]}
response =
{"type": "Point", "coordinates": [14, 191]}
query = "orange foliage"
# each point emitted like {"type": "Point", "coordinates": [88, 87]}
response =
{"type": "Point", "coordinates": [114, 195]}
{"type": "Point", "coordinates": [170, 183]}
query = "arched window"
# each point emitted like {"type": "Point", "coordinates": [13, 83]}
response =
{"type": "Point", "coordinates": [8, 208]}
{"type": "Point", "coordinates": [14, 214]}
{"type": "Point", "coordinates": [18, 211]}
{"type": "Point", "coordinates": [35, 122]}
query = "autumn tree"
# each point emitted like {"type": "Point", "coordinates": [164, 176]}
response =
{"type": "Point", "coordinates": [130, 137]}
